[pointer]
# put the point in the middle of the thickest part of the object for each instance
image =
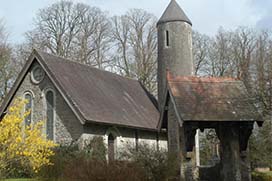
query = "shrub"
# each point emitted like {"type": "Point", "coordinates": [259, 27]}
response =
{"type": "Point", "coordinates": [70, 163]}
{"type": "Point", "coordinates": [66, 157]}
{"type": "Point", "coordinates": [62, 158]}
{"type": "Point", "coordinates": [96, 148]}
{"type": "Point", "coordinates": [260, 148]}
{"type": "Point", "coordinates": [22, 149]}
{"type": "Point", "coordinates": [156, 163]}
{"type": "Point", "coordinates": [147, 163]}
{"type": "Point", "coordinates": [92, 169]}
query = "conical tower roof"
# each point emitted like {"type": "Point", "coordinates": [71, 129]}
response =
{"type": "Point", "coordinates": [174, 13]}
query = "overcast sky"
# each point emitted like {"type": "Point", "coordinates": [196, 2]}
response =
{"type": "Point", "coordinates": [206, 15]}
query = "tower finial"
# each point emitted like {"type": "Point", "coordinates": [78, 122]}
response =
{"type": "Point", "coordinates": [174, 13]}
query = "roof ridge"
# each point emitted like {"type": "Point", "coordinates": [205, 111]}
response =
{"type": "Point", "coordinates": [82, 64]}
{"type": "Point", "coordinates": [206, 81]}
{"type": "Point", "coordinates": [192, 78]}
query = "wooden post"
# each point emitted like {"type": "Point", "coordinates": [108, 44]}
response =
{"type": "Point", "coordinates": [230, 157]}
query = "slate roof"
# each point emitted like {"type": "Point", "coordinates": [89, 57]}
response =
{"type": "Point", "coordinates": [100, 96]}
{"type": "Point", "coordinates": [174, 13]}
{"type": "Point", "coordinates": [212, 99]}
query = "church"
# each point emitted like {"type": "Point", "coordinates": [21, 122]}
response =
{"type": "Point", "coordinates": [78, 102]}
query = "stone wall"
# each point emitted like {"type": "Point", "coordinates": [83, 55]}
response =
{"type": "Point", "coordinates": [185, 160]}
{"type": "Point", "coordinates": [177, 57]}
{"type": "Point", "coordinates": [174, 141]}
{"type": "Point", "coordinates": [66, 125]}
{"type": "Point", "coordinates": [124, 137]}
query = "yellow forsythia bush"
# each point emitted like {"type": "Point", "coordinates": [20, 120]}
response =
{"type": "Point", "coordinates": [25, 145]}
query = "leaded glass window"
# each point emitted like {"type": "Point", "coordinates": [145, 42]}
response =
{"type": "Point", "coordinates": [28, 108]}
{"type": "Point", "coordinates": [37, 74]}
{"type": "Point", "coordinates": [50, 115]}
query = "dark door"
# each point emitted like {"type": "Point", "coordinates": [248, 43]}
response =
{"type": "Point", "coordinates": [111, 147]}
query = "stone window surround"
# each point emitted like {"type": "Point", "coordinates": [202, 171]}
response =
{"type": "Point", "coordinates": [44, 92]}
{"type": "Point", "coordinates": [115, 133]}
{"type": "Point", "coordinates": [32, 75]}
{"type": "Point", "coordinates": [29, 92]}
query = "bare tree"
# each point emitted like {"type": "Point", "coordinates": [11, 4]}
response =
{"type": "Point", "coordinates": [93, 39]}
{"type": "Point", "coordinates": [220, 55]}
{"type": "Point", "coordinates": [21, 54]}
{"type": "Point", "coordinates": [143, 40]}
{"type": "Point", "coordinates": [120, 35]}
{"type": "Point", "coordinates": [77, 31]}
{"type": "Point", "coordinates": [135, 37]}
{"type": "Point", "coordinates": [262, 71]}
{"type": "Point", "coordinates": [6, 66]}
{"type": "Point", "coordinates": [56, 27]}
{"type": "Point", "coordinates": [242, 47]}
{"type": "Point", "coordinates": [201, 50]}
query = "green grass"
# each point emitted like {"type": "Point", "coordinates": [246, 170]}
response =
{"type": "Point", "coordinates": [19, 179]}
{"type": "Point", "coordinates": [264, 173]}
{"type": "Point", "coordinates": [262, 176]}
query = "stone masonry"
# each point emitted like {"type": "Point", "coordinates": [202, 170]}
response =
{"type": "Point", "coordinates": [67, 127]}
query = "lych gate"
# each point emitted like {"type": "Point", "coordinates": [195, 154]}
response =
{"type": "Point", "coordinates": [188, 103]}
{"type": "Point", "coordinates": [200, 103]}
{"type": "Point", "coordinates": [223, 104]}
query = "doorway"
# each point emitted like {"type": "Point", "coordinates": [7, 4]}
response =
{"type": "Point", "coordinates": [111, 147]}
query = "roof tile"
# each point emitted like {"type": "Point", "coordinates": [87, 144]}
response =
{"type": "Point", "coordinates": [174, 13]}
{"type": "Point", "coordinates": [212, 99]}
{"type": "Point", "coordinates": [102, 96]}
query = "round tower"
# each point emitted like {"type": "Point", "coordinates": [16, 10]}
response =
{"type": "Point", "coordinates": [174, 46]}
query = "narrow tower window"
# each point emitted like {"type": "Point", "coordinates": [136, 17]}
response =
{"type": "Point", "coordinates": [167, 38]}
{"type": "Point", "coordinates": [28, 107]}
{"type": "Point", "coordinates": [50, 114]}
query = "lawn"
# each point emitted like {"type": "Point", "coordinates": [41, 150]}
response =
{"type": "Point", "coordinates": [19, 179]}
{"type": "Point", "coordinates": [262, 176]}
{"type": "Point", "coordinates": [257, 176]}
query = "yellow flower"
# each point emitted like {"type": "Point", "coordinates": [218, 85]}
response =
{"type": "Point", "coordinates": [28, 146]}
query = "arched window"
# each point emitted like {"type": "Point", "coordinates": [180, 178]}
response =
{"type": "Point", "coordinates": [111, 147]}
{"type": "Point", "coordinates": [28, 108]}
{"type": "Point", "coordinates": [50, 106]}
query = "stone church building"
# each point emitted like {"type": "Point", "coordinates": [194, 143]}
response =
{"type": "Point", "coordinates": [79, 102]}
